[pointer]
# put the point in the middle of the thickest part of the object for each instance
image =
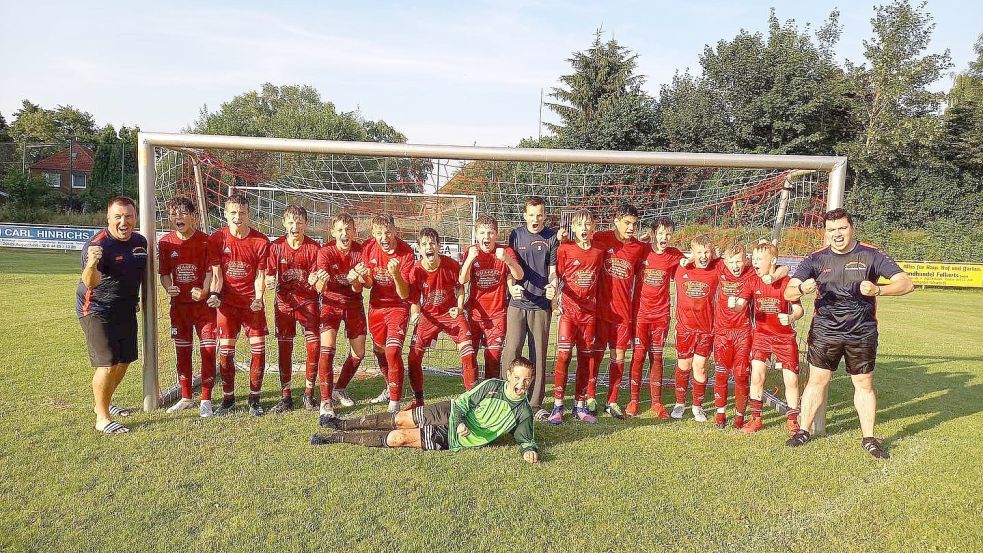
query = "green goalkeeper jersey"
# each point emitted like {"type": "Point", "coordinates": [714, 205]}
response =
{"type": "Point", "coordinates": [488, 413]}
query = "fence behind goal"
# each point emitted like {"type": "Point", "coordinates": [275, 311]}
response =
{"type": "Point", "coordinates": [779, 198]}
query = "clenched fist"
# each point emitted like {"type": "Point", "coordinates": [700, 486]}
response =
{"type": "Point", "coordinates": [784, 319]}
{"type": "Point", "coordinates": [530, 457]}
{"type": "Point", "coordinates": [808, 286]}
{"type": "Point", "coordinates": [868, 288]}
{"type": "Point", "coordinates": [257, 305]}
{"type": "Point", "coordinates": [516, 290]}
{"type": "Point", "coordinates": [197, 293]}
{"type": "Point", "coordinates": [500, 254]}
{"type": "Point", "coordinates": [93, 256]}
{"type": "Point", "coordinates": [213, 301]}
{"type": "Point", "coordinates": [767, 279]}
{"type": "Point", "coordinates": [393, 266]}
{"type": "Point", "coordinates": [472, 253]}
{"type": "Point", "coordinates": [173, 291]}
{"type": "Point", "coordinates": [550, 291]}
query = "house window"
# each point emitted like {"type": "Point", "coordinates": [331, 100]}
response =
{"type": "Point", "coordinates": [54, 179]}
{"type": "Point", "coordinates": [78, 181]}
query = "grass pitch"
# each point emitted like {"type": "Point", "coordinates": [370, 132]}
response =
{"type": "Point", "coordinates": [178, 482]}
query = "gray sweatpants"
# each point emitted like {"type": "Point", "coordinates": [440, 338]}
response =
{"type": "Point", "coordinates": [535, 323]}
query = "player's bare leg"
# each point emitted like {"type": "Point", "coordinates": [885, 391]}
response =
{"type": "Point", "coordinates": [812, 398]}
{"type": "Point", "coordinates": [865, 400]}
{"type": "Point", "coordinates": [104, 383]}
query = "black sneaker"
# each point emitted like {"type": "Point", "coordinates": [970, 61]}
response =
{"type": "Point", "coordinates": [285, 404]}
{"type": "Point", "coordinates": [874, 447]}
{"type": "Point", "coordinates": [309, 402]}
{"type": "Point", "coordinates": [227, 406]}
{"type": "Point", "coordinates": [321, 439]}
{"type": "Point", "coordinates": [255, 409]}
{"type": "Point", "coordinates": [799, 438]}
{"type": "Point", "coordinates": [328, 421]}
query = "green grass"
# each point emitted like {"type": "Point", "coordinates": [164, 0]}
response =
{"type": "Point", "coordinates": [182, 483]}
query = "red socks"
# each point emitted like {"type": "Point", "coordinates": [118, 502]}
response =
{"type": "Point", "coordinates": [756, 408]}
{"type": "Point", "coordinates": [394, 359]}
{"type": "Point", "coordinates": [560, 374]}
{"type": "Point", "coordinates": [720, 387]}
{"type": "Point", "coordinates": [313, 366]}
{"type": "Point", "coordinates": [207, 367]}
{"type": "Point", "coordinates": [682, 384]}
{"type": "Point", "coordinates": [183, 350]}
{"type": "Point", "coordinates": [699, 392]}
{"type": "Point", "coordinates": [493, 363]}
{"type": "Point", "coordinates": [615, 373]}
{"type": "Point", "coordinates": [416, 369]}
{"type": "Point", "coordinates": [257, 367]}
{"type": "Point", "coordinates": [325, 372]}
{"type": "Point", "coordinates": [348, 370]}
{"type": "Point", "coordinates": [469, 367]}
{"type": "Point", "coordinates": [228, 369]}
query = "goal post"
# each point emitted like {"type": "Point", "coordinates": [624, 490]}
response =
{"type": "Point", "coordinates": [700, 190]}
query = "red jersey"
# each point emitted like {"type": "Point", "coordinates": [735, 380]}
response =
{"type": "Point", "coordinates": [293, 267]}
{"type": "Point", "coordinates": [695, 290]}
{"type": "Point", "coordinates": [579, 271]}
{"type": "Point", "coordinates": [337, 289]}
{"type": "Point", "coordinates": [489, 275]}
{"type": "Point", "coordinates": [185, 260]}
{"type": "Point", "coordinates": [652, 285]}
{"type": "Point", "coordinates": [730, 285]}
{"type": "Point", "coordinates": [436, 290]}
{"type": "Point", "coordinates": [240, 259]}
{"type": "Point", "coordinates": [383, 292]}
{"type": "Point", "coordinates": [622, 261]}
{"type": "Point", "coordinates": [768, 301]}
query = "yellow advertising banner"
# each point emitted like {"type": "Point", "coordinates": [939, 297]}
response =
{"type": "Point", "coordinates": [955, 275]}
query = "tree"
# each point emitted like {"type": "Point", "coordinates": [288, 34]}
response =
{"type": "Point", "coordinates": [601, 104]}
{"type": "Point", "coordinates": [963, 117]}
{"type": "Point", "coordinates": [782, 93]}
{"type": "Point", "coordinates": [32, 123]}
{"type": "Point", "coordinates": [4, 129]}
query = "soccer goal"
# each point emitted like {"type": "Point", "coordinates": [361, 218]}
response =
{"type": "Point", "coordinates": [729, 196]}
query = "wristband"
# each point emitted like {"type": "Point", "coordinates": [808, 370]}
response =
{"type": "Point", "coordinates": [215, 295]}
{"type": "Point", "coordinates": [801, 293]}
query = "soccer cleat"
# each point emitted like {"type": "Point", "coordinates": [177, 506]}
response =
{"type": "Point", "coordinates": [801, 437]}
{"type": "Point", "coordinates": [321, 439]}
{"type": "Point", "coordinates": [381, 398]}
{"type": "Point", "coordinates": [325, 420]}
{"type": "Point", "coordinates": [326, 409]}
{"type": "Point", "coordinates": [660, 411]}
{"type": "Point", "coordinates": [720, 420]}
{"type": "Point", "coordinates": [308, 401]}
{"type": "Point", "coordinates": [792, 425]}
{"type": "Point", "coordinates": [752, 425]}
{"type": "Point", "coordinates": [631, 409]}
{"type": "Point", "coordinates": [205, 409]}
{"type": "Point", "coordinates": [699, 415]}
{"type": "Point", "coordinates": [227, 406]}
{"type": "Point", "coordinates": [739, 422]}
{"type": "Point", "coordinates": [285, 404]}
{"type": "Point", "coordinates": [541, 415]}
{"type": "Point", "coordinates": [583, 415]}
{"type": "Point", "coordinates": [874, 447]}
{"type": "Point", "coordinates": [556, 417]}
{"type": "Point", "coordinates": [677, 411]}
{"type": "Point", "coordinates": [592, 406]}
{"type": "Point", "coordinates": [181, 405]}
{"type": "Point", "coordinates": [413, 404]}
{"type": "Point", "coordinates": [342, 397]}
{"type": "Point", "coordinates": [614, 410]}
{"type": "Point", "coordinates": [255, 409]}
{"type": "Point", "coordinates": [394, 406]}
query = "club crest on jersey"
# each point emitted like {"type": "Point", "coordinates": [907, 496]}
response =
{"type": "Point", "coordinates": [610, 250]}
{"type": "Point", "coordinates": [283, 260]}
{"type": "Point", "coordinates": [227, 250]}
{"type": "Point", "coordinates": [576, 262]}
{"type": "Point", "coordinates": [173, 254]}
{"type": "Point", "coordinates": [855, 266]}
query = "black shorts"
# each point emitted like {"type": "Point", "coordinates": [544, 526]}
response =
{"type": "Point", "coordinates": [110, 338]}
{"type": "Point", "coordinates": [860, 355]}
{"type": "Point", "coordinates": [433, 422]}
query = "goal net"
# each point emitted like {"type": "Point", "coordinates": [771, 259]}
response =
{"type": "Point", "coordinates": [733, 198]}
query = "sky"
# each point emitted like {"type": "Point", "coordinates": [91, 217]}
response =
{"type": "Point", "coordinates": [441, 72]}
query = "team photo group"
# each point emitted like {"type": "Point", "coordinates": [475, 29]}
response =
{"type": "Point", "coordinates": [616, 291]}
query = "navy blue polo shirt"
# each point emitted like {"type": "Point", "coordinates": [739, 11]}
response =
{"type": "Point", "coordinates": [123, 265]}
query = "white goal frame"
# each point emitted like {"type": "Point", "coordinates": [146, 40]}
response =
{"type": "Point", "coordinates": [146, 142]}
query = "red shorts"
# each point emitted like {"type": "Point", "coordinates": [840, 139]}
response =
{"type": "Point", "coordinates": [651, 336]}
{"type": "Point", "coordinates": [353, 315]}
{"type": "Point", "coordinates": [785, 348]}
{"type": "Point", "coordinates": [488, 332]}
{"type": "Point", "coordinates": [576, 331]}
{"type": "Point", "coordinates": [189, 317]}
{"type": "Point", "coordinates": [388, 325]}
{"type": "Point", "coordinates": [430, 327]}
{"type": "Point", "coordinates": [614, 334]}
{"type": "Point", "coordinates": [732, 350]}
{"type": "Point", "coordinates": [692, 342]}
{"type": "Point", "coordinates": [230, 319]}
{"type": "Point", "coordinates": [285, 322]}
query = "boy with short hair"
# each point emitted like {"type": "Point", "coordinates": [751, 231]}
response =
{"type": "Point", "coordinates": [696, 287]}
{"type": "Point", "coordinates": [341, 275]}
{"type": "Point", "coordinates": [292, 262]}
{"type": "Point", "coordinates": [652, 312]}
{"type": "Point", "coordinates": [486, 269]}
{"type": "Point", "coordinates": [435, 288]}
{"type": "Point", "coordinates": [186, 277]}
{"type": "Point", "coordinates": [389, 261]}
{"type": "Point", "coordinates": [578, 268]}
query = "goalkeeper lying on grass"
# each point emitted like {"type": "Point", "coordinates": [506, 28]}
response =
{"type": "Point", "coordinates": [475, 418]}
